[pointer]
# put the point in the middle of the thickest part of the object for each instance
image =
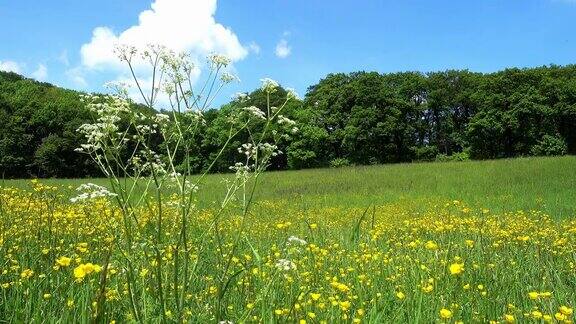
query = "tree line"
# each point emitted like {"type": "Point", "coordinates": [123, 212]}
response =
{"type": "Point", "coordinates": [354, 118]}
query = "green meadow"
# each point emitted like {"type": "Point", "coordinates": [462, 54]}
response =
{"type": "Point", "coordinates": [540, 183]}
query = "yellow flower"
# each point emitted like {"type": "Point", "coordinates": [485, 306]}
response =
{"type": "Point", "coordinates": [427, 288]}
{"type": "Point", "coordinates": [302, 321]}
{"type": "Point", "coordinates": [340, 286]}
{"type": "Point", "coordinates": [26, 274]}
{"type": "Point", "coordinates": [46, 296]}
{"type": "Point", "coordinates": [469, 243]}
{"type": "Point", "coordinates": [509, 318]}
{"type": "Point", "coordinates": [566, 310]}
{"type": "Point", "coordinates": [82, 247]}
{"type": "Point", "coordinates": [85, 269]}
{"type": "Point", "coordinates": [456, 268]}
{"type": "Point", "coordinates": [560, 317]}
{"type": "Point", "coordinates": [533, 295]}
{"type": "Point", "coordinates": [536, 314]}
{"type": "Point", "coordinates": [400, 295]}
{"type": "Point", "coordinates": [445, 313]}
{"type": "Point", "coordinates": [345, 305]}
{"type": "Point", "coordinates": [315, 297]}
{"type": "Point", "coordinates": [278, 312]}
{"type": "Point", "coordinates": [63, 261]}
{"type": "Point", "coordinates": [431, 245]}
{"type": "Point", "coordinates": [311, 315]}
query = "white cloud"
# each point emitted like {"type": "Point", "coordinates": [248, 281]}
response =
{"type": "Point", "coordinates": [181, 25]}
{"type": "Point", "coordinates": [10, 66]}
{"type": "Point", "coordinates": [63, 58]}
{"type": "Point", "coordinates": [41, 72]}
{"type": "Point", "coordinates": [254, 48]}
{"type": "Point", "coordinates": [76, 75]}
{"type": "Point", "coordinates": [283, 50]}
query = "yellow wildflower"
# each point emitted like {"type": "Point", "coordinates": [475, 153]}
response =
{"type": "Point", "coordinates": [445, 313]}
{"type": "Point", "coordinates": [456, 268]}
{"type": "Point", "coordinates": [509, 318]}
{"type": "Point", "coordinates": [566, 310]}
{"type": "Point", "coordinates": [63, 261]}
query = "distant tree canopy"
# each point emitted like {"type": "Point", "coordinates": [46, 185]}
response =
{"type": "Point", "coordinates": [355, 118]}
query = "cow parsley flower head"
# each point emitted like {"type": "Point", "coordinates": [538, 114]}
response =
{"type": "Point", "coordinates": [91, 191]}
{"type": "Point", "coordinates": [218, 60]}
{"type": "Point", "coordinates": [125, 52]}
{"type": "Point", "coordinates": [228, 77]}
{"type": "Point", "coordinates": [296, 241]}
{"type": "Point", "coordinates": [269, 85]}
{"type": "Point", "coordinates": [285, 121]}
{"type": "Point", "coordinates": [255, 111]}
{"type": "Point", "coordinates": [292, 94]}
{"type": "Point", "coordinates": [241, 97]}
{"type": "Point", "coordinates": [285, 265]}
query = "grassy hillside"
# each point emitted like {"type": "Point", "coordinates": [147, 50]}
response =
{"type": "Point", "coordinates": [546, 184]}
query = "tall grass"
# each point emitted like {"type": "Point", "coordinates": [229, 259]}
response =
{"type": "Point", "coordinates": [545, 183]}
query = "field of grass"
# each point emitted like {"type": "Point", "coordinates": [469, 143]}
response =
{"type": "Point", "coordinates": [546, 184]}
{"type": "Point", "coordinates": [419, 243]}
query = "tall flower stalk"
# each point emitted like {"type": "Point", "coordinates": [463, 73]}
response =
{"type": "Point", "coordinates": [121, 141]}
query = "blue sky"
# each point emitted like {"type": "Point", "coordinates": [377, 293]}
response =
{"type": "Point", "coordinates": [43, 39]}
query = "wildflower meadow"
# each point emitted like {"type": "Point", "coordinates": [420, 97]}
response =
{"type": "Point", "coordinates": [152, 241]}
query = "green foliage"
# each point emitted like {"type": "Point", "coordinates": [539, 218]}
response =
{"type": "Point", "coordinates": [456, 157]}
{"type": "Point", "coordinates": [339, 163]}
{"type": "Point", "coordinates": [549, 146]}
{"type": "Point", "coordinates": [38, 134]}
{"type": "Point", "coordinates": [363, 117]}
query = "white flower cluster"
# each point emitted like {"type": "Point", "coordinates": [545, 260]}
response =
{"type": "Point", "coordinates": [161, 119]}
{"type": "Point", "coordinates": [240, 169]}
{"type": "Point", "coordinates": [228, 77]}
{"type": "Point", "coordinates": [296, 241]}
{"type": "Point", "coordinates": [285, 121]}
{"type": "Point", "coordinates": [292, 94]}
{"type": "Point", "coordinates": [248, 149]}
{"type": "Point", "coordinates": [118, 87]}
{"type": "Point", "coordinates": [108, 109]}
{"type": "Point", "coordinates": [218, 60]}
{"type": "Point", "coordinates": [269, 85]}
{"type": "Point", "coordinates": [177, 68]}
{"type": "Point", "coordinates": [255, 111]}
{"type": "Point", "coordinates": [251, 150]}
{"type": "Point", "coordinates": [269, 149]}
{"type": "Point", "coordinates": [91, 191]}
{"type": "Point", "coordinates": [241, 97]}
{"type": "Point", "coordinates": [285, 265]}
{"type": "Point", "coordinates": [148, 161]}
{"type": "Point", "coordinates": [146, 129]}
{"type": "Point", "coordinates": [125, 52]}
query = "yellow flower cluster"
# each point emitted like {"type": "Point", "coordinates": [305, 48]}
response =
{"type": "Point", "coordinates": [442, 261]}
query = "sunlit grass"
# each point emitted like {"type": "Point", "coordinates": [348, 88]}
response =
{"type": "Point", "coordinates": [545, 184]}
{"type": "Point", "coordinates": [375, 245]}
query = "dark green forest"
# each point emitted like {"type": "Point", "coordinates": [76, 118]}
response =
{"type": "Point", "coordinates": [356, 118]}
